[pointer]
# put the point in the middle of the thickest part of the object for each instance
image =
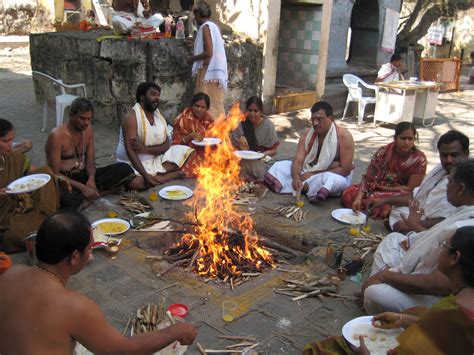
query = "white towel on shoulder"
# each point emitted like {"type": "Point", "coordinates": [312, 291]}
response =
{"type": "Point", "coordinates": [217, 69]}
{"type": "Point", "coordinates": [327, 154]}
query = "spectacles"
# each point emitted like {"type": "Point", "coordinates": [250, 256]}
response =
{"type": "Point", "coordinates": [445, 245]}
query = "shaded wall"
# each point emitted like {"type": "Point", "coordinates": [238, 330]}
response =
{"type": "Point", "coordinates": [112, 69]}
{"type": "Point", "coordinates": [299, 46]}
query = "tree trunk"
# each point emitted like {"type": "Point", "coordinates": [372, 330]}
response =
{"type": "Point", "coordinates": [409, 35]}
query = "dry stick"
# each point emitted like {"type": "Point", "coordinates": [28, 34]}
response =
{"type": "Point", "coordinates": [166, 287]}
{"type": "Point", "coordinates": [246, 343]}
{"type": "Point", "coordinates": [237, 337]}
{"type": "Point", "coordinates": [216, 351]}
{"type": "Point", "coordinates": [126, 326]}
{"type": "Point", "coordinates": [277, 246]}
{"type": "Point", "coordinates": [193, 260]}
{"type": "Point", "coordinates": [201, 349]}
{"type": "Point", "coordinates": [252, 346]}
{"type": "Point", "coordinates": [176, 263]}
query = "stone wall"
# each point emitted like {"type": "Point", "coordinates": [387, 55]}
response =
{"type": "Point", "coordinates": [112, 69]}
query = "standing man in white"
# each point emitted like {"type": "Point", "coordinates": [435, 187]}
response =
{"type": "Point", "coordinates": [209, 60]}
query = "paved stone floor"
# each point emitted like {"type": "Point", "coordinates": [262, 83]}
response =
{"type": "Point", "coordinates": [281, 326]}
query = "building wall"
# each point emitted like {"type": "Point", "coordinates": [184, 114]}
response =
{"type": "Point", "coordinates": [258, 20]}
{"type": "Point", "coordinates": [340, 23]}
{"type": "Point", "coordinates": [299, 46]}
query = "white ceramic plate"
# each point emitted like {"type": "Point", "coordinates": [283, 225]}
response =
{"type": "Point", "coordinates": [207, 141]}
{"type": "Point", "coordinates": [379, 341]}
{"type": "Point", "coordinates": [248, 154]}
{"type": "Point", "coordinates": [122, 226]}
{"type": "Point", "coordinates": [175, 192]}
{"type": "Point", "coordinates": [347, 216]}
{"type": "Point", "coordinates": [28, 183]}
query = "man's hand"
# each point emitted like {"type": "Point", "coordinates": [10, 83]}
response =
{"type": "Point", "coordinates": [91, 183]}
{"type": "Point", "coordinates": [374, 280]}
{"type": "Point", "coordinates": [151, 180]}
{"type": "Point", "coordinates": [413, 220]}
{"type": "Point", "coordinates": [187, 332]}
{"type": "Point", "coordinates": [297, 184]}
{"type": "Point", "coordinates": [89, 193]}
{"type": "Point", "coordinates": [387, 320]}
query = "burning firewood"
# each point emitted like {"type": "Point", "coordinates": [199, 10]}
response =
{"type": "Point", "coordinates": [292, 212]}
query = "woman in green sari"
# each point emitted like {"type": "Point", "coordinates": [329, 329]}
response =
{"type": "Point", "coordinates": [21, 214]}
{"type": "Point", "coordinates": [445, 328]}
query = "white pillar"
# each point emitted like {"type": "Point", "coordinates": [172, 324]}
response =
{"type": "Point", "coordinates": [324, 46]}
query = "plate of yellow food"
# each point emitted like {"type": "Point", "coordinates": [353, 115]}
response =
{"type": "Point", "coordinates": [377, 340]}
{"type": "Point", "coordinates": [206, 141]}
{"type": "Point", "coordinates": [111, 226]}
{"type": "Point", "coordinates": [28, 183]}
{"type": "Point", "coordinates": [175, 192]}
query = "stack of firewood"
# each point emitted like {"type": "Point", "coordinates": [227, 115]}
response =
{"type": "Point", "coordinates": [146, 319]}
{"type": "Point", "coordinates": [293, 212]}
{"type": "Point", "coordinates": [309, 286]}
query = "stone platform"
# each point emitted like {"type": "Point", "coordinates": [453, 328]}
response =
{"type": "Point", "coordinates": [113, 67]}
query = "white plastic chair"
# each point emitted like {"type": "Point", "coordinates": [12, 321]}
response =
{"type": "Point", "coordinates": [355, 95]}
{"type": "Point", "coordinates": [55, 90]}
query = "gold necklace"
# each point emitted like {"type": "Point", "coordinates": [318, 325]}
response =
{"type": "Point", "coordinates": [50, 273]}
{"type": "Point", "coordinates": [79, 164]}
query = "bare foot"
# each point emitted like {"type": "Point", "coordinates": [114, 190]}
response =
{"type": "Point", "coordinates": [164, 178]}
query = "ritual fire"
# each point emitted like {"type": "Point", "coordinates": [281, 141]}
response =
{"type": "Point", "coordinates": [224, 243]}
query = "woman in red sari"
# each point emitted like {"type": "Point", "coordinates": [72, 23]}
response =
{"type": "Point", "coordinates": [193, 124]}
{"type": "Point", "coordinates": [395, 169]}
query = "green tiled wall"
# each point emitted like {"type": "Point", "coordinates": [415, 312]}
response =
{"type": "Point", "coordinates": [298, 47]}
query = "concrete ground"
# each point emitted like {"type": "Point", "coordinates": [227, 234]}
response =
{"type": "Point", "coordinates": [280, 325]}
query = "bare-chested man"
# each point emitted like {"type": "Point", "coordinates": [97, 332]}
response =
{"type": "Point", "coordinates": [70, 152]}
{"type": "Point", "coordinates": [130, 13]}
{"type": "Point", "coordinates": [40, 316]}
{"type": "Point", "coordinates": [323, 161]}
{"type": "Point", "coordinates": [144, 142]}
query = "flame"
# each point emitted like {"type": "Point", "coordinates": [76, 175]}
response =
{"type": "Point", "coordinates": [226, 240]}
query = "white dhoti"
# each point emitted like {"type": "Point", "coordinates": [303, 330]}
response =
{"type": "Point", "coordinates": [153, 135]}
{"type": "Point", "coordinates": [334, 183]}
{"type": "Point", "coordinates": [420, 258]}
{"type": "Point", "coordinates": [122, 22]}
{"type": "Point", "coordinates": [385, 298]}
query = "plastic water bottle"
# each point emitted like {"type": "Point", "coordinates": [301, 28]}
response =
{"type": "Point", "coordinates": [168, 27]}
{"type": "Point", "coordinates": [180, 29]}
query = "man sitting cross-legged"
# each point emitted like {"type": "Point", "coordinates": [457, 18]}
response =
{"type": "Point", "coordinates": [404, 271]}
{"type": "Point", "coordinates": [428, 202]}
{"type": "Point", "coordinates": [39, 315]}
{"type": "Point", "coordinates": [70, 152]}
{"type": "Point", "coordinates": [144, 142]}
{"type": "Point", "coordinates": [323, 160]}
